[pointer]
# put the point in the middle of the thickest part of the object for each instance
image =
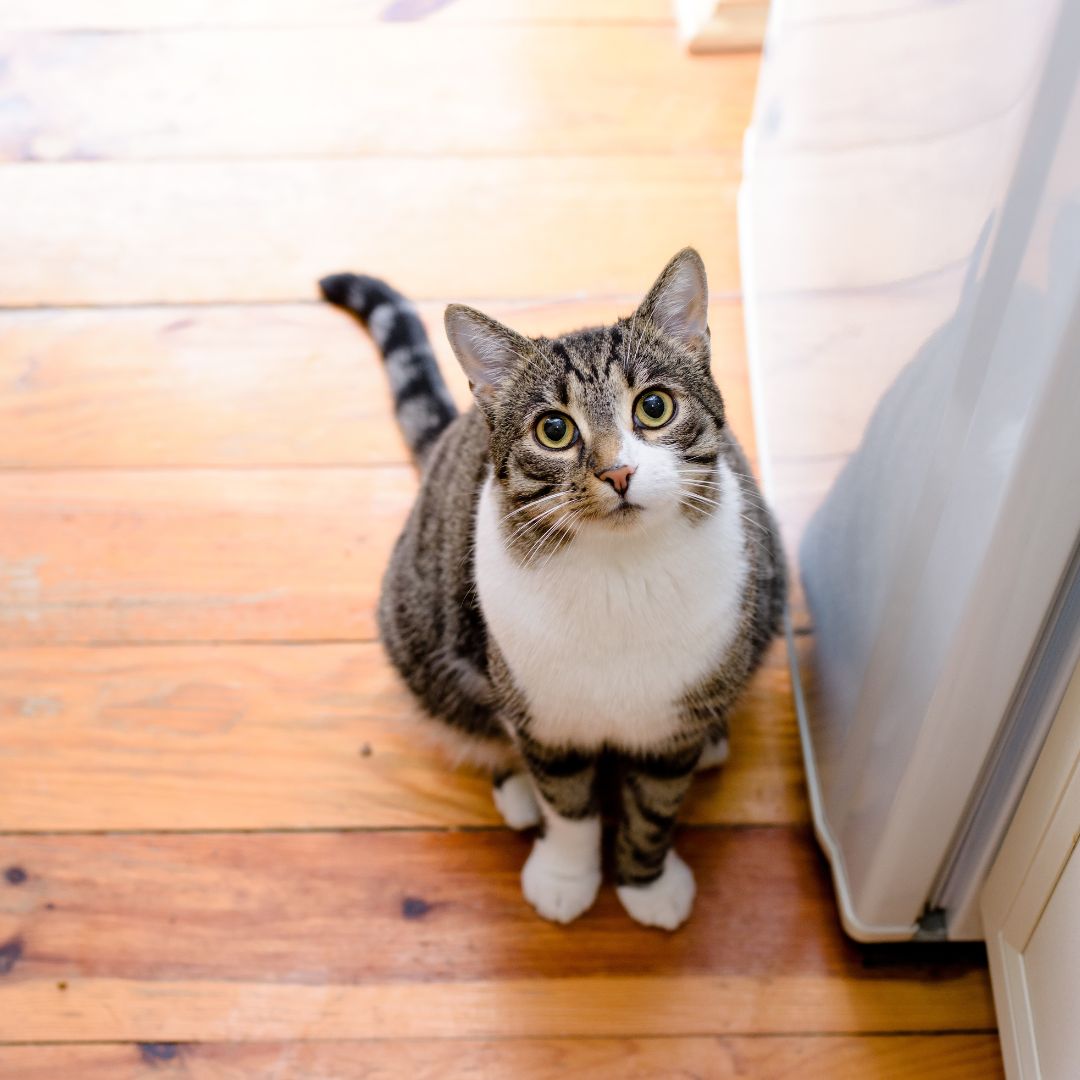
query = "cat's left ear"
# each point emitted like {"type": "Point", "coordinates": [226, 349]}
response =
{"type": "Point", "coordinates": [678, 302]}
{"type": "Point", "coordinates": [489, 353]}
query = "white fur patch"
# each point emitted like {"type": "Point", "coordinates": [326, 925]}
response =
{"type": "Point", "coordinates": [665, 902]}
{"type": "Point", "coordinates": [380, 319]}
{"type": "Point", "coordinates": [516, 801]}
{"type": "Point", "coordinates": [714, 755]}
{"type": "Point", "coordinates": [561, 876]}
{"type": "Point", "coordinates": [605, 636]}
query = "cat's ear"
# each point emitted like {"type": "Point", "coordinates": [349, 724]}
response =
{"type": "Point", "coordinates": [678, 302]}
{"type": "Point", "coordinates": [487, 351]}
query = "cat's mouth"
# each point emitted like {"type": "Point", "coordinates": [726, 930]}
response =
{"type": "Point", "coordinates": [624, 513]}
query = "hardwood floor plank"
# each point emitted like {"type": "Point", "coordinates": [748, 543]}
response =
{"type": "Point", "coordinates": [292, 384]}
{"type": "Point", "coordinates": [261, 936]}
{"type": "Point", "coordinates": [140, 233]}
{"type": "Point", "coordinates": [137, 14]}
{"type": "Point", "coordinates": [196, 555]}
{"type": "Point", "coordinates": [912, 1057]}
{"type": "Point", "coordinates": [285, 736]}
{"type": "Point", "coordinates": [275, 907]}
{"type": "Point", "coordinates": [211, 555]}
{"type": "Point", "coordinates": [171, 1011]}
{"type": "Point", "coordinates": [221, 95]}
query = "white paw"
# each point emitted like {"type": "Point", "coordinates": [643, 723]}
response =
{"type": "Point", "coordinates": [714, 754]}
{"type": "Point", "coordinates": [516, 801]}
{"type": "Point", "coordinates": [558, 891]}
{"type": "Point", "coordinates": [665, 902]}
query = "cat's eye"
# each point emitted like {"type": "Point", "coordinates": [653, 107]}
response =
{"type": "Point", "coordinates": [654, 408]}
{"type": "Point", "coordinates": [556, 431]}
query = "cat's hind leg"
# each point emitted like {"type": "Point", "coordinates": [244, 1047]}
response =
{"type": "Point", "coordinates": [515, 799]}
{"type": "Point", "coordinates": [714, 755]}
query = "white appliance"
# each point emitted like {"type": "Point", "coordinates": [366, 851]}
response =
{"type": "Point", "coordinates": [910, 236]}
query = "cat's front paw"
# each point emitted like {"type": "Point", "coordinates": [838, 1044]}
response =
{"type": "Point", "coordinates": [558, 891]}
{"type": "Point", "coordinates": [665, 902]}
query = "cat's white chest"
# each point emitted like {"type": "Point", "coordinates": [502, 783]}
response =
{"type": "Point", "coordinates": [606, 636]}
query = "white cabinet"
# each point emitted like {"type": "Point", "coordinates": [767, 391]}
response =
{"type": "Point", "coordinates": [1031, 912]}
{"type": "Point", "coordinates": [910, 250]}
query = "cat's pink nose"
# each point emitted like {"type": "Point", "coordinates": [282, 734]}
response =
{"type": "Point", "coordinates": [618, 477]}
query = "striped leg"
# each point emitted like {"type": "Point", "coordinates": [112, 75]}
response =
{"type": "Point", "coordinates": [562, 874]}
{"type": "Point", "coordinates": [654, 885]}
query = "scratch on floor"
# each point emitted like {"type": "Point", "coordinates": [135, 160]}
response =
{"type": "Point", "coordinates": [39, 706]}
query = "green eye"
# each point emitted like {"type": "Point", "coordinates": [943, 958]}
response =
{"type": "Point", "coordinates": [556, 431]}
{"type": "Point", "coordinates": [654, 409]}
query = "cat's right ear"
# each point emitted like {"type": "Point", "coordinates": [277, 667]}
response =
{"type": "Point", "coordinates": [488, 352]}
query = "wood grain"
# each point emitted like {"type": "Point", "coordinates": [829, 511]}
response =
{"type": "Point", "coordinates": [425, 934]}
{"type": "Point", "coordinates": [190, 555]}
{"type": "Point", "coordinates": [219, 94]}
{"type": "Point", "coordinates": [257, 737]}
{"type": "Point", "coordinates": [292, 384]}
{"type": "Point", "coordinates": [148, 233]}
{"type": "Point", "coordinates": [163, 1010]}
{"type": "Point", "coordinates": [196, 555]}
{"type": "Point", "coordinates": [902, 1057]}
{"type": "Point", "coordinates": [136, 14]}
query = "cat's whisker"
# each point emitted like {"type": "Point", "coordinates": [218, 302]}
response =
{"type": "Point", "coordinates": [751, 504]}
{"type": "Point", "coordinates": [543, 539]}
{"type": "Point", "coordinates": [749, 537]}
{"type": "Point", "coordinates": [700, 500]}
{"type": "Point", "coordinates": [551, 528]}
{"type": "Point", "coordinates": [569, 525]}
{"type": "Point", "coordinates": [701, 480]}
{"type": "Point", "coordinates": [703, 506]}
{"type": "Point", "coordinates": [523, 527]}
{"type": "Point", "coordinates": [756, 524]}
{"type": "Point", "coordinates": [531, 503]}
{"type": "Point", "coordinates": [705, 500]}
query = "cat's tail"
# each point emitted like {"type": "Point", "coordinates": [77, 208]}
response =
{"type": "Point", "coordinates": [422, 403]}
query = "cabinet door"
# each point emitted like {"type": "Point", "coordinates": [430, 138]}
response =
{"type": "Point", "coordinates": [1031, 912]}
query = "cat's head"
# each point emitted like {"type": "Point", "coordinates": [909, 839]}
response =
{"type": "Point", "coordinates": [613, 428]}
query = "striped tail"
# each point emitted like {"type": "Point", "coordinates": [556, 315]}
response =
{"type": "Point", "coordinates": [422, 403]}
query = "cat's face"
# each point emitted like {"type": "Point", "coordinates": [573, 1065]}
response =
{"type": "Point", "coordinates": [615, 428]}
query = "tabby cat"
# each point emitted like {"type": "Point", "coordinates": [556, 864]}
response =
{"type": "Point", "coordinates": [588, 578]}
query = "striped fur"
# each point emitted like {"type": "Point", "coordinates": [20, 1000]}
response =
{"type": "Point", "coordinates": [422, 403]}
{"type": "Point", "coordinates": [492, 491]}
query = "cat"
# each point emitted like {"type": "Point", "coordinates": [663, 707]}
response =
{"type": "Point", "coordinates": [589, 575]}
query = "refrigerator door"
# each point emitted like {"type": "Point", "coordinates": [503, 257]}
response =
{"type": "Point", "coordinates": [910, 232]}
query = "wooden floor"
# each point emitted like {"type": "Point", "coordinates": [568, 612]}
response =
{"type": "Point", "coordinates": [225, 849]}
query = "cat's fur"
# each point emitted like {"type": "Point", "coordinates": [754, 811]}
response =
{"type": "Point", "coordinates": [554, 622]}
